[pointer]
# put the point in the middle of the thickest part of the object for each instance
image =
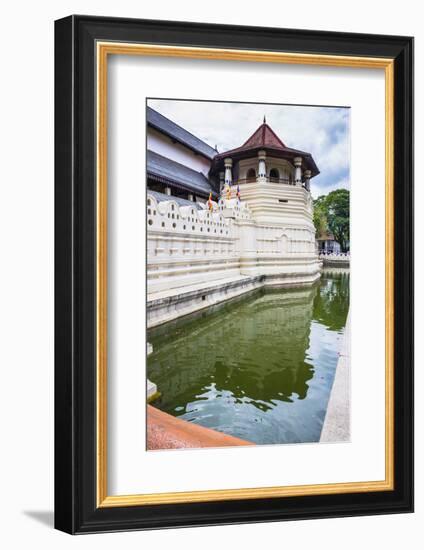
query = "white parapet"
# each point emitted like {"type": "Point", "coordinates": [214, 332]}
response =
{"type": "Point", "coordinates": [335, 259]}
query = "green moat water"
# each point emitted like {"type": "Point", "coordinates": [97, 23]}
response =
{"type": "Point", "coordinates": [260, 368]}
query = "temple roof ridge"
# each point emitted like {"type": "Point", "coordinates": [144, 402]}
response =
{"type": "Point", "coordinates": [160, 122]}
{"type": "Point", "coordinates": [263, 136]}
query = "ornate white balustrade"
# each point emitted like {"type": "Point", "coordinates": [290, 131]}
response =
{"type": "Point", "coordinates": [341, 259]}
{"type": "Point", "coordinates": [342, 256]}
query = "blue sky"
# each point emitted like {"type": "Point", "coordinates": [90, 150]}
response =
{"type": "Point", "coordinates": [322, 131]}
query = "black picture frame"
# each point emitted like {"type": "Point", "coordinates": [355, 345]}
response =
{"type": "Point", "coordinates": [76, 510]}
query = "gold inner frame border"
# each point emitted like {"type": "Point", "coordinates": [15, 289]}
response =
{"type": "Point", "coordinates": [103, 50]}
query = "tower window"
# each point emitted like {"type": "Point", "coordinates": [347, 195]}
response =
{"type": "Point", "coordinates": [251, 175]}
{"type": "Point", "coordinates": [274, 174]}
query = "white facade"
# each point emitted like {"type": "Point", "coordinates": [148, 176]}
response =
{"type": "Point", "coordinates": [197, 258]}
{"type": "Point", "coordinates": [329, 246]}
{"type": "Point", "coordinates": [163, 145]}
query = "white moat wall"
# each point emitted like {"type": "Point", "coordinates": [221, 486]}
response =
{"type": "Point", "coordinates": [197, 258]}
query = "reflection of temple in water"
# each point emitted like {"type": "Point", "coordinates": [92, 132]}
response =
{"type": "Point", "coordinates": [254, 349]}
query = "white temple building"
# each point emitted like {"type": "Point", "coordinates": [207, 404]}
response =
{"type": "Point", "coordinates": [222, 224]}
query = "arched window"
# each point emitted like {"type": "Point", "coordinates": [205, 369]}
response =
{"type": "Point", "coordinates": [251, 175]}
{"type": "Point", "coordinates": [274, 174]}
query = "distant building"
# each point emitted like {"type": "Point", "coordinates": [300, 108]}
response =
{"type": "Point", "coordinates": [327, 244]}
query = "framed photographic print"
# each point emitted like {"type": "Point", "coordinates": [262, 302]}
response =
{"type": "Point", "coordinates": [234, 274]}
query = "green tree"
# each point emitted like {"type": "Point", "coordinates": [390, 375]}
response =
{"type": "Point", "coordinates": [331, 214]}
{"type": "Point", "coordinates": [320, 216]}
{"type": "Point", "coordinates": [338, 216]}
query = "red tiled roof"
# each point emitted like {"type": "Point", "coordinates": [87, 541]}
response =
{"type": "Point", "coordinates": [264, 136]}
{"type": "Point", "coordinates": [326, 237]}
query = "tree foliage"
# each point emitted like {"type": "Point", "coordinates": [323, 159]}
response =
{"type": "Point", "coordinates": [320, 216]}
{"type": "Point", "coordinates": [332, 214]}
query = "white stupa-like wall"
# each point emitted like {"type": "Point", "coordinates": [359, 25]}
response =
{"type": "Point", "coordinates": [198, 258]}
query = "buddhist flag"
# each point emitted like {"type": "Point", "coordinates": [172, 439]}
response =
{"type": "Point", "coordinates": [228, 193]}
{"type": "Point", "coordinates": [210, 202]}
{"type": "Point", "coordinates": [238, 193]}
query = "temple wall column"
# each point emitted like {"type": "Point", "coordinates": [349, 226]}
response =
{"type": "Point", "coordinates": [261, 166]}
{"type": "Point", "coordinates": [297, 170]}
{"type": "Point", "coordinates": [221, 182]}
{"type": "Point", "coordinates": [307, 174]}
{"type": "Point", "coordinates": [228, 163]}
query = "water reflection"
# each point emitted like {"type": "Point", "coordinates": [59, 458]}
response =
{"type": "Point", "coordinates": [260, 368]}
{"type": "Point", "coordinates": [332, 302]}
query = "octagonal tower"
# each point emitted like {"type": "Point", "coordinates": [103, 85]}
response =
{"type": "Point", "coordinates": [274, 179]}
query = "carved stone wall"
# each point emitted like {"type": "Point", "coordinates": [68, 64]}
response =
{"type": "Point", "coordinates": [189, 249]}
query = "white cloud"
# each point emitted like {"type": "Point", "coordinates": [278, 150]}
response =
{"type": "Point", "coordinates": [324, 189]}
{"type": "Point", "coordinates": [321, 131]}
